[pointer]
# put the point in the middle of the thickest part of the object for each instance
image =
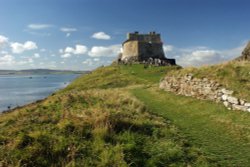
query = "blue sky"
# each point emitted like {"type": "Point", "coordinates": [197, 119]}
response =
{"type": "Point", "coordinates": [84, 34]}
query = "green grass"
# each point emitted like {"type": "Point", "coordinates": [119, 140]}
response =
{"type": "Point", "coordinates": [222, 135]}
{"type": "Point", "coordinates": [115, 116]}
{"type": "Point", "coordinates": [120, 76]}
{"type": "Point", "coordinates": [92, 128]}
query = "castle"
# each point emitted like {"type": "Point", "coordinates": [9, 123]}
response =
{"type": "Point", "coordinates": [144, 48]}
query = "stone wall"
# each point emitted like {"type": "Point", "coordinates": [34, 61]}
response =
{"type": "Point", "coordinates": [203, 89]}
{"type": "Point", "coordinates": [130, 49]}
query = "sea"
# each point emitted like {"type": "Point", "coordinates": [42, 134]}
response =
{"type": "Point", "coordinates": [18, 90]}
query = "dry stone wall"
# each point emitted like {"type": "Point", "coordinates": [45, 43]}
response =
{"type": "Point", "coordinates": [203, 89]}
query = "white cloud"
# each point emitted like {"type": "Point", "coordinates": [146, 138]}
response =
{"type": "Point", "coordinates": [167, 48]}
{"type": "Point", "coordinates": [4, 52]}
{"type": "Point", "coordinates": [68, 34]}
{"type": "Point", "coordinates": [7, 60]}
{"type": "Point", "coordinates": [39, 26]}
{"type": "Point", "coordinates": [30, 60]}
{"type": "Point", "coordinates": [81, 49]}
{"type": "Point", "coordinates": [69, 51]}
{"type": "Point", "coordinates": [36, 55]}
{"type": "Point", "coordinates": [66, 55]}
{"type": "Point", "coordinates": [60, 51]}
{"type": "Point", "coordinates": [3, 40]}
{"type": "Point", "coordinates": [88, 62]}
{"type": "Point", "coordinates": [66, 29]}
{"type": "Point", "coordinates": [101, 35]}
{"type": "Point", "coordinates": [109, 51]}
{"type": "Point", "coordinates": [20, 48]}
{"type": "Point", "coordinates": [96, 59]}
{"type": "Point", "coordinates": [199, 56]}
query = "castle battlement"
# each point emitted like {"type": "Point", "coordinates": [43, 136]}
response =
{"type": "Point", "coordinates": [151, 37]}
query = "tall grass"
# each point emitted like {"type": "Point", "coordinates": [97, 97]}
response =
{"type": "Point", "coordinates": [91, 128]}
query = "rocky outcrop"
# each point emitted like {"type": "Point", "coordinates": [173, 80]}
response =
{"type": "Point", "coordinates": [245, 54]}
{"type": "Point", "coordinates": [203, 89]}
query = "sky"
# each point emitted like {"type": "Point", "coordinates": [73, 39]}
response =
{"type": "Point", "coordinates": [85, 34]}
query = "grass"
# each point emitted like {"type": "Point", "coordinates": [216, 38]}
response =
{"type": "Point", "coordinates": [120, 76]}
{"type": "Point", "coordinates": [116, 116]}
{"type": "Point", "coordinates": [92, 128]}
{"type": "Point", "coordinates": [222, 135]}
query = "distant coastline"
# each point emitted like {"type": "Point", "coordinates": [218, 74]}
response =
{"type": "Point", "coordinates": [40, 72]}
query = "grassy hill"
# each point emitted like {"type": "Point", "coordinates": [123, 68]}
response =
{"type": "Point", "coordinates": [117, 116]}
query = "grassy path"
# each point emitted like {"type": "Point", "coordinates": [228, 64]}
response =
{"type": "Point", "coordinates": [222, 135]}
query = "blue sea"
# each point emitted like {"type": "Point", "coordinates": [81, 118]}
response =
{"type": "Point", "coordinates": [21, 89]}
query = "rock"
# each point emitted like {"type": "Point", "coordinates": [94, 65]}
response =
{"type": "Point", "coordinates": [228, 92]}
{"type": "Point", "coordinates": [224, 97]}
{"type": "Point", "coordinates": [226, 103]}
{"type": "Point", "coordinates": [203, 89]}
{"type": "Point", "coordinates": [239, 107]}
{"type": "Point", "coordinates": [162, 85]}
{"type": "Point", "coordinates": [242, 102]}
{"type": "Point", "coordinates": [247, 104]}
{"type": "Point", "coordinates": [233, 100]}
{"type": "Point", "coordinates": [205, 79]}
{"type": "Point", "coordinates": [245, 54]}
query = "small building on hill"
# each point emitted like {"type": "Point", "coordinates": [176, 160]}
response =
{"type": "Point", "coordinates": [144, 48]}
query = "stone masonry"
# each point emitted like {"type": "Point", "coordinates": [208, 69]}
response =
{"type": "Point", "coordinates": [203, 89]}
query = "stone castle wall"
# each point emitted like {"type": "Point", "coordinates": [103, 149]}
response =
{"type": "Point", "coordinates": [130, 49]}
{"type": "Point", "coordinates": [203, 89]}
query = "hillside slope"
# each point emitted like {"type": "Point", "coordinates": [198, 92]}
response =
{"type": "Point", "coordinates": [116, 116]}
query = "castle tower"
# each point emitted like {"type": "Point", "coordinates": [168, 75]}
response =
{"type": "Point", "coordinates": [141, 47]}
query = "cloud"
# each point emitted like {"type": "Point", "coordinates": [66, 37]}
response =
{"type": "Point", "coordinates": [200, 55]}
{"type": "Point", "coordinates": [3, 40]}
{"type": "Point", "coordinates": [36, 55]}
{"type": "Point", "coordinates": [39, 26]}
{"type": "Point", "coordinates": [96, 59]}
{"type": "Point", "coordinates": [60, 51]}
{"type": "Point", "coordinates": [7, 60]}
{"type": "Point", "coordinates": [20, 48]}
{"type": "Point", "coordinates": [167, 48]}
{"type": "Point", "coordinates": [109, 51]}
{"type": "Point", "coordinates": [88, 62]}
{"type": "Point", "coordinates": [66, 29]}
{"type": "Point", "coordinates": [69, 51]}
{"type": "Point", "coordinates": [66, 55]}
{"type": "Point", "coordinates": [101, 35]}
{"type": "Point", "coordinates": [68, 34]}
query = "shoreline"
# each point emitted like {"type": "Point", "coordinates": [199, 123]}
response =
{"type": "Point", "coordinates": [5, 111]}
{"type": "Point", "coordinates": [25, 105]}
